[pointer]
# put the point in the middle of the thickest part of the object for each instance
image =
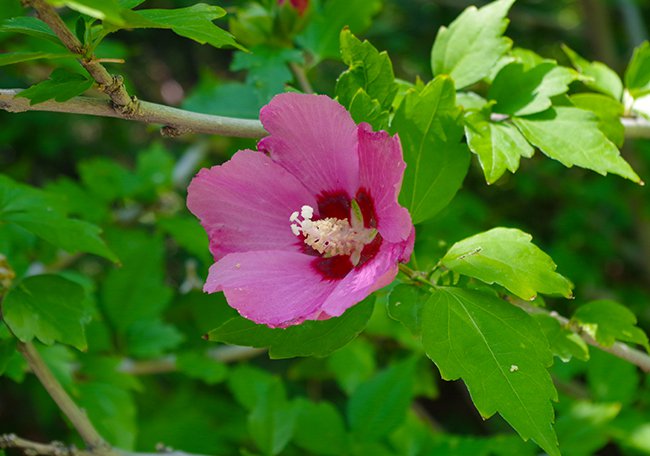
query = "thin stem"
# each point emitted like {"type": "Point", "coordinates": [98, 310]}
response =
{"type": "Point", "coordinates": [112, 86]}
{"type": "Point", "coordinates": [301, 77]}
{"type": "Point", "coordinates": [177, 120]}
{"type": "Point", "coordinates": [59, 449]}
{"type": "Point", "coordinates": [76, 416]}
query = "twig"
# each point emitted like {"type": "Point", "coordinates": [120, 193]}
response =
{"type": "Point", "coordinates": [619, 349]}
{"type": "Point", "coordinates": [225, 354]}
{"type": "Point", "coordinates": [301, 77]}
{"type": "Point", "coordinates": [111, 85]}
{"type": "Point", "coordinates": [59, 449]}
{"type": "Point", "coordinates": [192, 122]}
{"type": "Point", "coordinates": [76, 416]}
{"type": "Point", "coordinates": [152, 113]}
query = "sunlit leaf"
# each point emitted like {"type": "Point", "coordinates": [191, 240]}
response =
{"type": "Point", "coordinates": [500, 353]}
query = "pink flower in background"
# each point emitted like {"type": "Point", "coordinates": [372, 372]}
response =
{"type": "Point", "coordinates": [309, 225]}
{"type": "Point", "coordinates": [299, 5]}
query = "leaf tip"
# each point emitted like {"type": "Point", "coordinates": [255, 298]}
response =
{"type": "Point", "coordinates": [206, 336]}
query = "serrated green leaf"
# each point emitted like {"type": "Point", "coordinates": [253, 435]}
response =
{"type": "Point", "coordinates": [61, 86]}
{"type": "Point", "coordinates": [48, 308]}
{"type": "Point", "coordinates": [535, 87]}
{"type": "Point", "coordinates": [607, 110]}
{"type": "Point", "coordinates": [9, 58]}
{"type": "Point", "coordinates": [380, 404]}
{"type": "Point", "coordinates": [608, 321]}
{"type": "Point", "coordinates": [600, 77]}
{"type": "Point", "coordinates": [498, 145]}
{"type": "Point", "coordinates": [30, 26]}
{"type": "Point", "coordinates": [501, 355]}
{"type": "Point", "coordinates": [321, 36]}
{"type": "Point", "coordinates": [320, 429]}
{"type": "Point", "coordinates": [368, 69]}
{"type": "Point", "coordinates": [193, 22]}
{"type": "Point", "coordinates": [38, 213]}
{"type": "Point", "coordinates": [427, 122]}
{"type": "Point", "coordinates": [267, 69]}
{"type": "Point", "coordinates": [565, 344]}
{"type": "Point", "coordinates": [471, 46]}
{"type": "Point", "coordinates": [363, 108]}
{"type": "Point", "coordinates": [508, 257]}
{"type": "Point", "coordinates": [637, 75]}
{"type": "Point", "coordinates": [105, 10]}
{"type": "Point", "coordinates": [311, 338]}
{"type": "Point", "coordinates": [571, 136]}
{"type": "Point", "coordinates": [405, 304]}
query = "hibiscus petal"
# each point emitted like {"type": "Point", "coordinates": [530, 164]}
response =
{"type": "Point", "coordinates": [315, 139]}
{"type": "Point", "coordinates": [245, 204]}
{"type": "Point", "coordinates": [381, 168]}
{"type": "Point", "coordinates": [275, 288]}
{"type": "Point", "coordinates": [359, 283]}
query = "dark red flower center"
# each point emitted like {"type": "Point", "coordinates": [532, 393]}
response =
{"type": "Point", "coordinates": [338, 205]}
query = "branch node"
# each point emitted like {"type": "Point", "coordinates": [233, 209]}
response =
{"type": "Point", "coordinates": [172, 131]}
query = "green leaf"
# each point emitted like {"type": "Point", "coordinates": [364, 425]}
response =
{"type": "Point", "coordinates": [106, 179]}
{"type": "Point", "coordinates": [320, 429]}
{"type": "Point", "coordinates": [571, 136]}
{"type": "Point", "coordinates": [352, 364]}
{"type": "Point", "coordinates": [152, 338]}
{"type": "Point", "coordinates": [600, 77]}
{"type": "Point", "coordinates": [608, 321]}
{"type": "Point", "coordinates": [193, 22]}
{"type": "Point", "coordinates": [637, 75]}
{"type": "Point", "coordinates": [584, 429]}
{"type": "Point", "coordinates": [188, 234]}
{"type": "Point", "coordinates": [112, 411]}
{"type": "Point", "coordinates": [36, 211]}
{"type": "Point", "coordinates": [48, 308]}
{"type": "Point", "coordinates": [501, 355]}
{"type": "Point", "coordinates": [30, 26]}
{"type": "Point", "coordinates": [9, 58]}
{"type": "Point", "coordinates": [201, 367]}
{"type": "Point", "coordinates": [7, 352]}
{"type": "Point", "coordinates": [311, 338]}
{"type": "Point", "coordinates": [61, 86]}
{"type": "Point", "coordinates": [363, 108]}
{"type": "Point", "coordinates": [565, 344]}
{"type": "Point", "coordinates": [405, 305]}
{"type": "Point", "coordinates": [471, 46]}
{"type": "Point", "coordinates": [321, 36]}
{"type": "Point", "coordinates": [508, 257]}
{"type": "Point", "coordinates": [105, 10]}
{"type": "Point", "coordinates": [272, 419]}
{"type": "Point", "coordinates": [136, 291]}
{"type": "Point", "coordinates": [232, 99]}
{"type": "Point", "coordinates": [268, 69]}
{"type": "Point", "coordinates": [380, 404]}
{"type": "Point", "coordinates": [612, 379]}
{"type": "Point", "coordinates": [368, 69]}
{"type": "Point", "coordinates": [535, 87]}
{"type": "Point", "coordinates": [427, 122]}
{"type": "Point", "coordinates": [607, 110]}
{"type": "Point", "coordinates": [498, 145]}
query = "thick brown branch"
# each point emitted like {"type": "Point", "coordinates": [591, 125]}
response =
{"type": "Point", "coordinates": [185, 121]}
{"type": "Point", "coordinates": [111, 85]}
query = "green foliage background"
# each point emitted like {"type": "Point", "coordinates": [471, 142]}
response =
{"type": "Point", "coordinates": [125, 178]}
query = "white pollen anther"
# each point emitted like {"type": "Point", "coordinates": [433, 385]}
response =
{"type": "Point", "coordinates": [331, 236]}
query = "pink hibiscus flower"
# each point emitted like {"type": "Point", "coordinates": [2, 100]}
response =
{"type": "Point", "coordinates": [309, 225]}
